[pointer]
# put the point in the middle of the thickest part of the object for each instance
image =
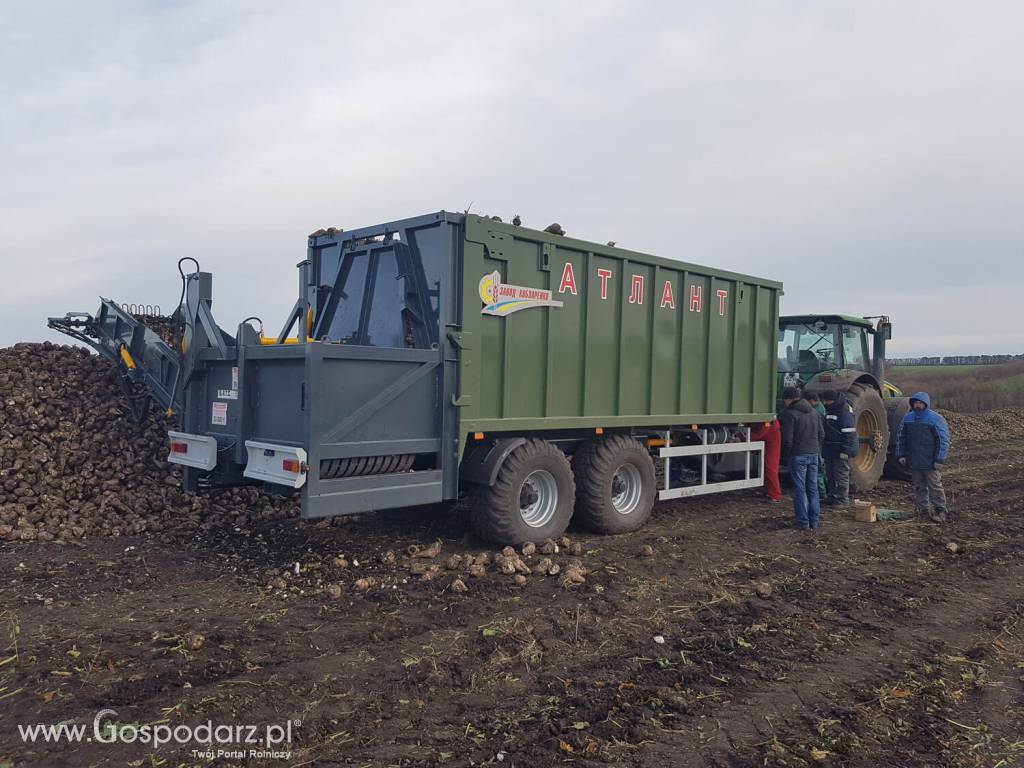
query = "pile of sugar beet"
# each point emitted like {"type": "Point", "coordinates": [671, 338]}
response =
{"type": "Point", "coordinates": [73, 464]}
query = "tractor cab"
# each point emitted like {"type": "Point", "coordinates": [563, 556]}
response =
{"type": "Point", "coordinates": [811, 345]}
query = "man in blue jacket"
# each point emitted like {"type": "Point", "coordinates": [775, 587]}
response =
{"type": "Point", "coordinates": [922, 444]}
{"type": "Point", "coordinates": [841, 444]}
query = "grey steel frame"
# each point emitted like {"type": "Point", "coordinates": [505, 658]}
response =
{"type": "Point", "coordinates": [748, 446]}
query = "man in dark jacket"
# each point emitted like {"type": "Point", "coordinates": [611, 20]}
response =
{"type": "Point", "coordinates": [802, 435]}
{"type": "Point", "coordinates": [922, 444]}
{"type": "Point", "coordinates": [814, 400]}
{"type": "Point", "coordinates": [840, 446]}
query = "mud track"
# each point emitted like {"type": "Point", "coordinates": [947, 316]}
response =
{"type": "Point", "coordinates": [877, 645]}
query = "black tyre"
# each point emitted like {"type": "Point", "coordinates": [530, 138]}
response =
{"type": "Point", "coordinates": [872, 432]}
{"type": "Point", "coordinates": [896, 408]}
{"type": "Point", "coordinates": [531, 499]}
{"type": "Point", "coordinates": [615, 485]}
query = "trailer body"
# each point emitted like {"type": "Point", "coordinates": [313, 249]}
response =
{"type": "Point", "coordinates": [630, 340]}
{"type": "Point", "coordinates": [423, 346]}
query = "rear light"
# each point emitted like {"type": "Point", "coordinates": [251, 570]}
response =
{"type": "Point", "coordinates": [271, 463]}
{"type": "Point", "coordinates": [196, 451]}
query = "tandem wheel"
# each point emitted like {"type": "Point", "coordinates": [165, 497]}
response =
{"type": "Point", "coordinates": [530, 500]}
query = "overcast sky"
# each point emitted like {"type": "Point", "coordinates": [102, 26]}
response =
{"type": "Point", "coordinates": [869, 155]}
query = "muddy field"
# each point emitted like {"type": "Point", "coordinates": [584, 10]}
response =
{"type": "Point", "coordinates": [716, 636]}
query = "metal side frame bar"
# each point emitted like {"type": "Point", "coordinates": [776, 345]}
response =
{"type": "Point", "coordinates": [668, 452]}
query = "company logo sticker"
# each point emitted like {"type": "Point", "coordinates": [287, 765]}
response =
{"type": "Point", "coordinates": [501, 299]}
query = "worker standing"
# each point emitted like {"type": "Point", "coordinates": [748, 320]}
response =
{"type": "Point", "coordinates": [771, 433]}
{"type": "Point", "coordinates": [922, 445]}
{"type": "Point", "coordinates": [802, 434]}
{"type": "Point", "coordinates": [815, 401]}
{"type": "Point", "coordinates": [840, 446]}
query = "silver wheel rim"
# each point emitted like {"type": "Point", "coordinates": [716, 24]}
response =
{"type": "Point", "coordinates": [627, 488]}
{"type": "Point", "coordinates": [538, 498]}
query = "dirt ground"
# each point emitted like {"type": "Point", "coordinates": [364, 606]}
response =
{"type": "Point", "coordinates": [877, 644]}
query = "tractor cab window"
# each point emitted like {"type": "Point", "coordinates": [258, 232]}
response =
{"type": "Point", "coordinates": [808, 347]}
{"type": "Point", "coordinates": [855, 346]}
{"type": "Point", "coordinates": [787, 343]}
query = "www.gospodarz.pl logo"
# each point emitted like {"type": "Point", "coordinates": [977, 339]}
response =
{"type": "Point", "coordinates": [207, 739]}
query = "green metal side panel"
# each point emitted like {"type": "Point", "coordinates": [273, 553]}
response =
{"type": "Point", "coordinates": [636, 341]}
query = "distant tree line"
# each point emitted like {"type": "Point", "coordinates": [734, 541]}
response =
{"type": "Point", "coordinates": [955, 360]}
{"type": "Point", "coordinates": [966, 387]}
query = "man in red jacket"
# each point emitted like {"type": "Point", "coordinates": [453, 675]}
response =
{"type": "Point", "coordinates": [771, 433]}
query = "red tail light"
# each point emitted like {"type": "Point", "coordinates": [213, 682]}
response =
{"type": "Point", "coordinates": [291, 465]}
{"type": "Point", "coordinates": [179, 447]}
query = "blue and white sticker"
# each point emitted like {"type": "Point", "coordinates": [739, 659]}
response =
{"type": "Point", "coordinates": [502, 299]}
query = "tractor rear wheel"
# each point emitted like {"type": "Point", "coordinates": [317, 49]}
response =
{"type": "Point", "coordinates": [531, 499]}
{"type": "Point", "coordinates": [896, 408]}
{"type": "Point", "coordinates": [615, 484]}
{"type": "Point", "coordinates": [873, 435]}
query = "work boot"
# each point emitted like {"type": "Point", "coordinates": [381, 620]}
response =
{"type": "Point", "coordinates": [937, 516]}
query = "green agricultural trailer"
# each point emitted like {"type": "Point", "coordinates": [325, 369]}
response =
{"type": "Point", "coordinates": [545, 377]}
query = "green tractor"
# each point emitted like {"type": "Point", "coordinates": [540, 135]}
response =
{"type": "Point", "coordinates": [820, 352]}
